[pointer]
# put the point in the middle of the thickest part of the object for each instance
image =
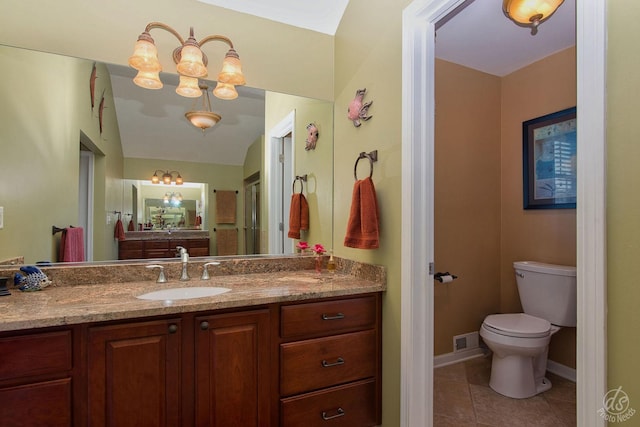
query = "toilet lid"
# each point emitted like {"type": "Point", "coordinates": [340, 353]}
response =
{"type": "Point", "coordinates": [518, 325]}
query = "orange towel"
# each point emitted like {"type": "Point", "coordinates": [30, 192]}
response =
{"type": "Point", "coordinates": [198, 221]}
{"type": "Point", "coordinates": [72, 245]}
{"type": "Point", "coordinates": [118, 233]}
{"type": "Point", "coordinates": [298, 215]}
{"type": "Point", "coordinates": [131, 227]}
{"type": "Point", "coordinates": [227, 241]}
{"type": "Point", "coordinates": [362, 228]}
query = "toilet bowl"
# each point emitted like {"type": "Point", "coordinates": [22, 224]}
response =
{"type": "Point", "coordinates": [520, 341]}
{"type": "Point", "coordinates": [520, 344]}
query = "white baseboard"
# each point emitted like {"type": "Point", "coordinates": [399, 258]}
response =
{"type": "Point", "coordinates": [456, 357]}
{"type": "Point", "coordinates": [561, 370]}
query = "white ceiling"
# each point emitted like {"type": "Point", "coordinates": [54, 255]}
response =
{"type": "Point", "coordinates": [479, 36]}
{"type": "Point", "coordinates": [322, 16]}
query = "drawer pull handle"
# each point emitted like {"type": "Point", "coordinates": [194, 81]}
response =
{"type": "Point", "coordinates": [204, 325]}
{"type": "Point", "coordinates": [338, 362]}
{"type": "Point", "coordinates": [336, 317]}
{"type": "Point", "coordinates": [173, 328]}
{"type": "Point", "coordinates": [339, 413]}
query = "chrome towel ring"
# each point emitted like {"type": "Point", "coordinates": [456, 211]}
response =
{"type": "Point", "coordinates": [302, 179]}
{"type": "Point", "coordinates": [372, 156]}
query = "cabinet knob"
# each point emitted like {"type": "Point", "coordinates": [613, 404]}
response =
{"type": "Point", "coordinates": [339, 413]}
{"type": "Point", "coordinates": [173, 328]}
{"type": "Point", "coordinates": [204, 325]}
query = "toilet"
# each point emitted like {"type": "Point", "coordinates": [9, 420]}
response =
{"type": "Point", "coordinates": [520, 341]}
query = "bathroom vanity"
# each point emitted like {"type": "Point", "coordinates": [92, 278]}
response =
{"type": "Point", "coordinates": [287, 347]}
{"type": "Point", "coordinates": [162, 244]}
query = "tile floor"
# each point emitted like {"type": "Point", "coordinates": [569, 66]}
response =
{"type": "Point", "coordinates": [462, 398]}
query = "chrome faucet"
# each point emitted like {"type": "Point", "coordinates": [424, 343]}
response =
{"type": "Point", "coordinates": [184, 257]}
{"type": "Point", "coordinates": [161, 277]}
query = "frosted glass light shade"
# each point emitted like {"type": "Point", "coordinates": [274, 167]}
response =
{"type": "Point", "coordinates": [231, 69]}
{"type": "Point", "coordinates": [528, 11]}
{"type": "Point", "coordinates": [188, 87]}
{"type": "Point", "coordinates": [202, 119]}
{"type": "Point", "coordinates": [191, 64]}
{"type": "Point", "coordinates": [148, 79]}
{"type": "Point", "coordinates": [145, 57]}
{"type": "Point", "coordinates": [225, 91]}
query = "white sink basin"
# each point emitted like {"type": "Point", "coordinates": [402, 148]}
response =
{"type": "Point", "coordinates": [183, 293]}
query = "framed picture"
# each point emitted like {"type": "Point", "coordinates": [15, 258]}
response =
{"type": "Point", "coordinates": [549, 161]}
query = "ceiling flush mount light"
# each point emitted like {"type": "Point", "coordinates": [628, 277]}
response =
{"type": "Point", "coordinates": [530, 13]}
{"type": "Point", "coordinates": [167, 177]}
{"type": "Point", "coordinates": [191, 62]}
{"type": "Point", "coordinates": [203, 118]}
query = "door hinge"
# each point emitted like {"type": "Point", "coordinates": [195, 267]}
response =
{"type": "Point", "coordinates": [281, 158]}
{"type": "Point", "coordinates": [431, 269]}
{"type": "Point", "coordinates": [280, 226]}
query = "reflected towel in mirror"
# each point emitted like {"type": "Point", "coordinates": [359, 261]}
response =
{"type": "Point", "coordinates": [298, 215]}
{"type": "Point", "coordinates": [72, 245]}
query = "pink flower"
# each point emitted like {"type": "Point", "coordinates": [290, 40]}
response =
{"type": "Point", "coordinates": [318, 249]}
{"type": "Point", "coordinates": [302, 246]}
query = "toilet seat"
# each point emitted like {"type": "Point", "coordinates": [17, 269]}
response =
{"type": "Point", "coordinates": [519, 325]}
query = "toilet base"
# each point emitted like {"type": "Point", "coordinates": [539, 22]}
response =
{"type": "Point", "coordinates": [514, 376]}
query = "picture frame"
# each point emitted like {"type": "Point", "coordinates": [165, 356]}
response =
{"type": "Point", "coordinates": [549, 161]}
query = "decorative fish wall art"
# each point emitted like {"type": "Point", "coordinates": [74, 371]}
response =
{"type": "Point", "coordinates": [357, 110]}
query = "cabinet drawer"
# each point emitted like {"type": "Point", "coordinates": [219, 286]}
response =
{"type": "Point", "coordinates": [349, 406]}
{"type": "Point", "coordinates": [323, 362]}
{"type": "Point", "coordinates": [35, 354]}
{"type": "Point", "coordinates": [156, 244]}
{"type": "Point", "coordinates": [131, 244]}
{"type": "Point", "coordinates": [198, 243]}
{"type": "Point", "coordinates": [45, 403]}
{"type": "Point", "coordinates": [328, 317]}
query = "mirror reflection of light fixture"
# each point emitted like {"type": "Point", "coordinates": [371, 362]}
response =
{"type": "Point", "coordinates": [190, 61]}
{"type": "Point", "coordinates": [172, 198]}
{"type": "Point", "coordinates": [167, 177]}
{"type": "Point", "coordinates": [203, 118]}
{"type": "Point", "coordinates": [530, 13]}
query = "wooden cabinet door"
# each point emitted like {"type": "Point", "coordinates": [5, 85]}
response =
{"type": "Point", "coordinates": [232, 369]}
{"type": "Point", "coordinates": [134, 374]}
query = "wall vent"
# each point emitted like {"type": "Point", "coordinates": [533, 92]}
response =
{"type": "Point", "coordinates": [465, 341]}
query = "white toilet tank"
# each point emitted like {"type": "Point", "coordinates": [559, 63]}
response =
{"type": "Point", "coordinates": [548, 291]}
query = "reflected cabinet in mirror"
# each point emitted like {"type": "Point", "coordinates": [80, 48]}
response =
{"type": "Point", "coordinates": [81, 142]}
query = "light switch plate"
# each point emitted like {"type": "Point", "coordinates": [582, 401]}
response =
{"type": "Point", "coordinates": [1, 217]}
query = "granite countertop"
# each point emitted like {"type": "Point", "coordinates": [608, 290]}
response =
{"type": "Point", "coordinates": [84, 303]}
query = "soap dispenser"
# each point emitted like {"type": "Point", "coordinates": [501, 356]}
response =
{"type": "Point", "coordinates": [331, 264]}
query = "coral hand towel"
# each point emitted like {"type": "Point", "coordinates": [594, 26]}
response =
{"type": "Point", "coordinates": [118, 233]}
{"type": "Point", "coordinates": [72, 245]}
{"type": "Point", "coordinates": [298, 215]}
{"type": "Point", "coordinates": [362, 228]}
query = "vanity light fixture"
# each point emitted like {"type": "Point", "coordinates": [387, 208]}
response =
{"type": "Point", "coordinates": [530, 13]}
{"type": "Point", "coordinates": [203, 118]}
{"type": "Point", "coordinates": [191, 62]}
{"type": "Point", "coordinates": [167, 177]}
{"type": "Point", "coordinates": [172, 198]}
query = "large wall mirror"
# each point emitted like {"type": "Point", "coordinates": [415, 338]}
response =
{"type": "Point", "coordinates": [80, 144]}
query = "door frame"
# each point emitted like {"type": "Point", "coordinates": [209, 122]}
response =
{"type": "Point", "coordinates": [418, 113]}
{"type": "Point", "coordinates": [278, 193]}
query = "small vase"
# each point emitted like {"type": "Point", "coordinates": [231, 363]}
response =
{"type": "Point", "coordinates": [318, 264]}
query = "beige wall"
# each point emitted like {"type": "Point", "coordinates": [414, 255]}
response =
{"type": "Point", "coordinates": [547, 235]}
{"type": "Point", "coordinates": [275, 57]}
{"type": "Point", "coordinates": [316, 164]}
{"type": "Point", "coordinates": [40, 144]}
{"type": "Point", "coordinates": [467, 200]}
{"type": "Point", "coordinates": [368, 55]}
{"type": "Point", "coordinates": [623, 203]}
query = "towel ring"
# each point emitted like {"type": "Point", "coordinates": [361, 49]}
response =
{"type": "Point", "coordinates": [372, 156]}
{"type": "Point", "coordinates": [301, 179]}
